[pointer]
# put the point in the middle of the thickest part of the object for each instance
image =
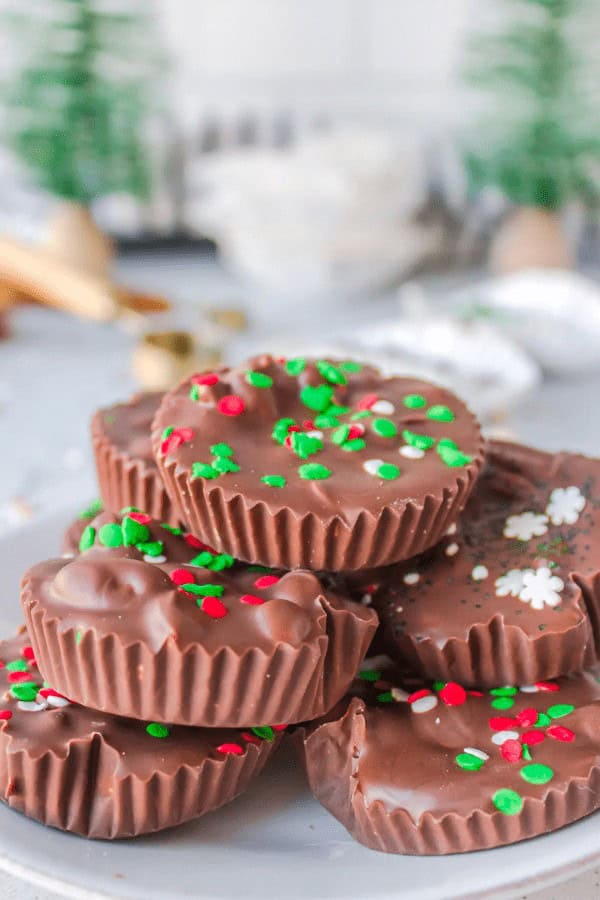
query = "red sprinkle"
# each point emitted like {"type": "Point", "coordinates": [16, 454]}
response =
{"type": "Point", "coordinates": [14, 677]}
{"type": "Point", "coordinates": [527, 717]}
{"type": "Point", "coordinates": [207, 378]}
{"type": "Point", "coordinates": [511, 750]}
{"type": "Point", "coordinates": [278, 727]}
{"type": "Point", "coordinates": [546, 686]}
{"type": "Point", "coordinates": [177, 437]}
{"type": "Point", "coordinates": [213, 607]}
{"type": "Point", "coordinates": [5, 715]}
{"type": "Point", "coordinates": [560, 733]}
{"type": "Point", "coordinates": [181, 576]}
{"type": "Point", "coordinates": [502, 723]}
{"type": "Point", "coordinates": [140, 518]}
{"type": "Point", "coordinates": [308, 425]}
{"type": "Point", "coordinates": [533, 737]}
{"type": "Point", "coordinates": [251, 738]}
{"type": "Point", "coordinates": [367, 401]}
{"type": "Point", "coordinates": [266, 581]}
{"type": "Point", "coordinates": [417, 695]}
{"type": "Point", "coordinates": [231, 405]}
{"type": "Point", "coordinates": [27, 653]}
{"type": "Point", "coordinates": [251, 600]}
{"type": "Point", "coordinates": [49, 692]}
{"type": "Point", "coordinates": [192, 541]}
{"type": "Point", "coordinates": [453, 694]}
{"type": "Point", "coordinates": [475, 693]}
{"type": "Point", "coordinates": [230, 748]}
{"type": "Point", "coordinates": [356, 431]}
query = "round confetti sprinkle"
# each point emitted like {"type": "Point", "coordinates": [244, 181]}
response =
{"type": "Point", "coordinates": [500, 723]}
{"type": "Point", "coordinates": [414, 401]}
{"type": "Point", "coordinates": [411, 452]}
{"type": "Point", "coordinates": [157, 560]}
{"type": "Point", "coordinates": [317, 397]}
{"type": "Point", "coordinates": [537, 773]}
{"type": "Point", "coordinates": [5, 715]}
{"type": "Point", "coordinates": [531, 738]}
{"type": "Point", "coordinates": [314, 472]}
{"type": "Point", "coordinates": [212, 606]}
{"type": "Point", "coordinates": [251, 600]}
{"type": "Point", "coordinates": [276, 481]}
{"type": "Point", "coordinates": [452, 457]}
{"type": "Point", "coordinates": [295, 366]}
{"type": "Point", "coordinates": [508, 802]}
{"type": "Point", "coordinates": [506, 691]}
{"type": "Point", "coordinates": [230, 748]}
{"type": "Point", "coordinates": [259, 379]}
{"type": "Point", "coordinates": [475, 751]}
{"type": "Point", "coordinates": [479, 573]}
{"type": "Point", "coordinates": [156, 730]}
{"type": "Point", "coordinates": [469, 761]}
{"type": "Point", "coordinates": [453, 694]}
{"type": "Point", "coordinates": [384, 428]}
{"type": "Point", "coordinates": [26, 692]}
{"type": "Point", "coordinates": [207, 378]}
{"type": "Point", "coordinates": [367, 401]}
{"type": "Point", "coordinates": [452, 549]}
{"type": "Point", "coordinates": [420, 441]}
{"type": "Point", "coordinates": [502, 736]}
{"type": "Point", "coordinates": [511, 750]}
{"type": "Point", "coordinates": [440, 413]}
{"type": "Point", "coordinates": [180, 576]}
{"type": "Point", "coordinates": [266, 581]}
{"type": "Point", "coordinates": [503, 702]}
{"type": "Point", "coordinates": [231, 405]}
{"type": "Point", "coordinates": [411, 578]}
{"type": "Point", "coordinates": [388, 471]}
{"type": "Point", "coordinates": [383, 408]}
{"type": "Point", "coordinates": [527, 717]}
{"type": "Point", "coordinates": [330, 372]}
{"type": "Point", "coordinates": [111, 535]}
{"type": "Point", "coordinates": [87, 539]}
{"type": "Point", "coordinates": [559, 710]}
{"type": "Point", "coordinates": [350, 366]}
{"type": "Point", "coordinates": [424, 704]}
{"type": "Point", "coordinates": [560, 733]}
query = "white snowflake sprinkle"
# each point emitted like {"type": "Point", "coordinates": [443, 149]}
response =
{"type": "Point", "coordinates": [541, 588]}
{"type": "Point", "coordinates": [480, 754]}
{"type": "Point", "coordinates": [452, 549]}
{"type": "Point", "coordinates": [156, 559]}
{"type": "Point", "coordinates": [511, 583]}
{"type": "Point", "coordinates": [372, 466]}
{"type": "Point", "coordinates": [479, 573]}
{"type": "Point", "coordinates": [452, 529]}
{"type": "Point", "coordinates": [565, 505]}
{"type": "Point", "coordinates": [383, 408]}
{"type": "Point", "coordinates": [411, 578]}
{"type": "Point", "coordinates": [525, 526]}
{"type": "Point", "coordinates": [501, 736]}
{"type": "Point", "coordinates": [411, 452]}
{"type": "Point", "coordinates": [424, 704]}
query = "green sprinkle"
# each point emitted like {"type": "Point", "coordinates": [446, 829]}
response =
{"type": "Point", "coordinates": [440, 413]}
{"type": "Point", "coordinates": [354, 444]}
{"type": "Point", "coordinates": [448, 442]}
{"type": "Point", "coordinates": [438, 685]}
{"type": "Point", "coordinates": [369, 675]}
{"type": "Point", "coordinates": [324, 420]}
{"type": "Point", "coordinates": [508, 802]}
{"type": "Point", "coordinates": [277, 481]}
{"type": "Point", "coordinates": [526, 753]}
{"type": "Point", "coordinates": [87, 538]}
{"type": "Point", "coordinates": [469, 761]}
{"type": "Point", "coordinates": [317, 398]}
{"type": "Point", "coordinates": [414, 401]}
{"type": "Point", "coordinates": [388, 471]}
{"type": "Point", "coordinates": [335, 410]}
{"type": "Point", "coordinates": [281, 429]}
{"type": "Point", "coordinates": [223, 464]}
{"type": "Point", "coordinates": [204, 590]}
{"type": "Point", "coordinates": [304, 445]}
{"type": "Point", "coordinates": [350, 366]}
{"type": "Point", "coordinates": [168, 432]}
{"type": "Point", "coordinates": [422, 441]}
{"type": "Point", "coordinates": [259, 379]}
{"type": "Point", "coordinates": [133, 532]}
{"type": "Point", "coordinates": [128, 509]}
{"type": "Point", "coordinates": [503, 691]}
{"type": "Point", "coordinates": [266, 570]}
{"type": "Point", "coordinates": [314, 472]}
{"type": "Point", "coordinates": [340, 435]}
{"type": "Point", "coordinates": [537, 773]}
{"type": "Point", "coordinates": [202, 559]}
{"type": "Point", "coordinates": [27, 691]}
{"type": "Point", "coordinates": [156, 730]}
{"type": "Point", "coordinates": [171, 529]}
{"type": "Point", "coordinates": [264, 732]}
{"type": "Point", "coordinates": [543, 721]}
{"type": "Point", "coordinates": [384, 428]}
{"type": "Point", "coordinates": [111, 535]}
{"type": "Point", "coordinates": [78, 637]}
{"type": "Point", "coordinates": [385, 697]}
{"type": "Point", "coordinates": [452, 457]}
{"type": "Point", "coordinates": [221, 450]}
{"type": "Point", "coordinates": [559, 710]}
{"type": "Point", "coordinates": [92, 510]}
{"type": "Point", "coordinates": [17, 665]}
{"type": "Point", "coordinates": [330, 372]}
{"type": "Point", "coordinates": [151, 548]}
{"type": "Point", "coordinates": [295, 366]}
{"type": "Point", "coordinates": [503, 702]}
{"type": "Point", "coordinates": [195, 393]}
{"type": "Point", "coordinates": [221, 561]}
{"type": "Point", "coordinates": [203, 470]}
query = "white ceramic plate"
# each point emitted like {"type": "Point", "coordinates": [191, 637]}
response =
{"type": "Point", "coordinates": [275, 841]}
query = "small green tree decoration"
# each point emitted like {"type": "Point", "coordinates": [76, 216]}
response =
{"type": "Point", "coordinates": [539, 140]}
{"type": "Point", "coordinates": [79, 104]}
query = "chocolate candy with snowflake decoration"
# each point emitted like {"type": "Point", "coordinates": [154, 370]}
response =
{"type": "Point", "coordinates": [336, 467]}
{"type": "Point", "coordinates": [512, 595]}
{"type": "Point", "coordinates": [52, 751]}
{"type": "Point", "coordinates": [127, 472]}
{"type": "Point", "coordinates": [435, 769]}
{"type": "Point", "coordinates": [219, 643]}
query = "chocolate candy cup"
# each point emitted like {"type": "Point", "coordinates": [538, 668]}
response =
{"type": "Point", "coordinates": [327, 466]}
{"type": "Point", "coordinates": [127, 473]}
{"type": "Point", "coordinates": [106, 776]}
{"type": "Point", "coordinates": [155, 625]}
{"type": "Point", "coordinates": [441, 770]}
{"type": "Point", "coordinates": [513, 596]}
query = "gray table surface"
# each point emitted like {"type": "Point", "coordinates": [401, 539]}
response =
{"type": "Point", "coordinates": [56, 370]}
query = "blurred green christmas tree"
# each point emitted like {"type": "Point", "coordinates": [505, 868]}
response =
{"type": "Point", "coordinates": [538, 140]}
{"type": "Point", "coordinates": [78, 105]}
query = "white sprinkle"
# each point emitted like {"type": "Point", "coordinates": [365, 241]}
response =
{"type": "Point", "coordinates": [411, 578]}
{"type": "Point", "coordinates": [68, 556]}
{"type": "Point", "coordinates": [452, 528]}
{"type": "Point", "coordinates": [399, 609]}
{"type": "Point", "coordinates": [383, 407]}
{"type": "Point", "coordinates": [502, 736]}
{"type": "Point", "coordinates": [366, 599]}
{"type": "Point", "coordinates": [479, 573]}
{"type": "Point", "coordinates": [437, 720]}
{"type": "Point", "coordinates": [529, 689]}
{"type": "Point", "coordinates": [156, 559]}
{"type": "Point", "coordinates": [399, 695]}
{"type": "Point", "coordinates": [424, 704]}
{"type": "Point", "coordinates": [372, 466]}
{"type": "Point", "coordinates": [31, 706]}
{"type": "Point", "coordinates": [452, 549]}
{"type": "Point", "coordinates": [411, 452]}
{"type": "Point", "coordinates": [315, 434]}
{"type": "Point", "coordinates": [57, 702]}
{"type": "Point", "coordinates": [480, 754]}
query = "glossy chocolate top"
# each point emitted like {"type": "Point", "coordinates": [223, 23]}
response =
{"type": "Point", "coordinates": [127, 425]}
